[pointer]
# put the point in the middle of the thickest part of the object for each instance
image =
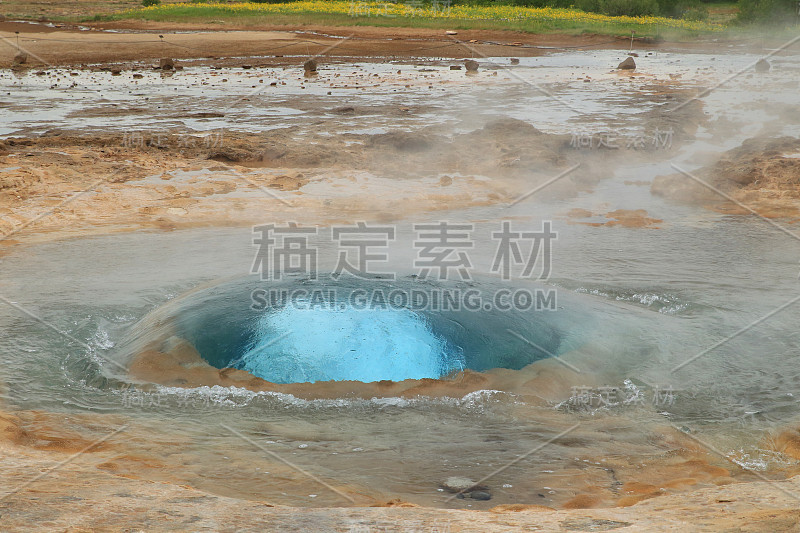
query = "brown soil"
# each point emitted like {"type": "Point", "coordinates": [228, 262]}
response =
{"type": "Point", "coordinates": [138, 41]}
{"type": "Point", "coordinates": [626, 218]}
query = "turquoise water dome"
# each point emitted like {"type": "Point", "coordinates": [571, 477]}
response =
{"type": "Point", "coordinates": [300, 344]}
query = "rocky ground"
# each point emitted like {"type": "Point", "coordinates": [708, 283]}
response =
{"type": "Point", "coordinates": [57, 476]}
{"type": "Point", "coordinates": [102, 182]}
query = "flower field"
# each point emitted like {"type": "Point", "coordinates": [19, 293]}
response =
{"type": "Point", "coordinates": [555, 17]}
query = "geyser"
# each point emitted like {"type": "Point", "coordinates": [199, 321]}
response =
{"type": "Point", "coordinates": [349, 334]}
{"type": "Point", "coordinates": [298, 343]}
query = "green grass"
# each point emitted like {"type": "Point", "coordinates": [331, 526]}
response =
{"type": "Point", "coordinates": [722, 12]}
{"type": "Point", "coordinates": [325, 19]}
{"type": "Point", "coordinates": [211, 14]}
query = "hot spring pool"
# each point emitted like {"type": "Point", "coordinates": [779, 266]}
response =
{"type": "Point", "coordinates": [619, 323]}
{"type": "Point", "coordinates": [301, 330]}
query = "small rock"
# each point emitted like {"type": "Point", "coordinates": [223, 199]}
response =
{"type": "Point", "coordinates": [137, 76]}
{"type": "Point", "coordinates": [460, 484]}
{"type": "Point", "coordinates": [21, 58]}
{"type": "Point", "coordinates": [455, 67]}
{"type": "Point", "coordinates": [628, 64]}
{"type": "Point", "coordinates": [451, 32]}
{"type": "Point", "coordinates": [247, 67]}
{"type": "Point", "coordinates": [514, 61]}
{"type": "Point", "coordinates": [762, 65]}
{"type": "Point", "coordinates": [444, 181]}
{"type": "Point", "coordinates": [592, 524]}
{"type": "Point", "coordinates": [633, 54]}
{"type": "Point", "coordinates": [480, 495]}
{"type": "Point", "coordinates": [166, 64]}
{"type": "Point", "coordinates": [472, 66]}
{"type": "Point", "coordinates": [207, 114]}
{"type": "Point", "coordinates": [310, 67]}
{"type": "Point", "coordinates": [116, 71]}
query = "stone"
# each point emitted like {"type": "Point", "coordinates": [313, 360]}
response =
{"type": "Point", "coordinates": [116, 71]}
{"type": "Point", "coordinates": [21, 58]}
{"type": "Point", "coordinates": [481, 495]}
{"type": "Point", "coordinates": [459, 484]}
{"type": "Point", "coordinates": [455, 67]}
{"type": "Point", "coordinates": [166, 63]}
{"type": "Point", "coordinates": [471, 65]}
{"type": "Point", "coordinates": [451, 32]}
{"type": "Point", "coordinates": [514, 61]}
{"type": "Point", "coordinates": [628, 64]}
{"type": "Point", "coordinates": [592, 524]}
{"type": "Point", "coordinates": [762, 66]}
{"type": "Point", "coordinates": [310, 67]}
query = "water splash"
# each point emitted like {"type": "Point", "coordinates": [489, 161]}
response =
{"type": "Point", "coordinates": [300, 344]}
